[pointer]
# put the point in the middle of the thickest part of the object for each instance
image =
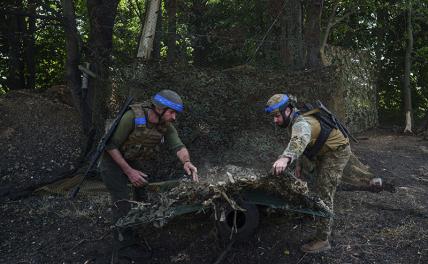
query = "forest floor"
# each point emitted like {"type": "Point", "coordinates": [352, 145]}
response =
{"type": "Point", "coordinates": [384, 227]}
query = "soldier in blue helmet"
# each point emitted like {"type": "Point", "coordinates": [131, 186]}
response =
{"type": "Point", "coordinates": [319, 140]}
{"type": "Point", "coordinates": [130, 154]}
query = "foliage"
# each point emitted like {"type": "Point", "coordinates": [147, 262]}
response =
{"type": "Point", "coordinates": [232, 32]}
{"type": "Point", "coordinates": [50, 48]}
{"type": "Point", "coordinates": [221, 188]}
{"type": "Point", "coordinates": [377, 26]}
{"type": "Point", "coordinates": [127, 30]}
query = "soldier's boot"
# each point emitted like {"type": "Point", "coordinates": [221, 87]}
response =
{"type": "Point", "coordinates": [316, 246]}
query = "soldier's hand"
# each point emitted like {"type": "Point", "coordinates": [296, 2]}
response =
{"type": "Point", "coordinates": [136, 177]}
{"type": "Point", "coordinates": [280, 165]}
{"type": "Point", "coordinates": [191, 170]}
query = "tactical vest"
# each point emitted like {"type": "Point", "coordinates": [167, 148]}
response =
{"type": "Point", "coordinates": [316, 145]}
{"type": "Point", "coordinates": [327, 126]}
{"type": "Point", "coordinates": [143, 142]}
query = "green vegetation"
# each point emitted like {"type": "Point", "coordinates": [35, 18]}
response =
{"type": "Point", "coordinates": [219, 34]}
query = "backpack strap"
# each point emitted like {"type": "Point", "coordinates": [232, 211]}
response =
{"type": "Point", "coordinates": [326, 128]}
{"type": "Point", "coordinates": [311, 152]}
{"type": "Point", "coordinates": [140, 119]}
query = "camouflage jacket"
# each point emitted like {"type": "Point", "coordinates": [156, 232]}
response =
{"type": "Point", "coordinates": [300, 131]}
{"type": "Point", "coordinates": [304, 132]}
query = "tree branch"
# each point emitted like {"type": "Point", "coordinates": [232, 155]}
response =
{"type": "Point", "coordinates": [137, 10]}
{"type": "Point", "coordinates": [342, 18]}
{"type": "Point", "coordinates": [32, 15]}
{"type": "Point", "coordinates": [332, 21]}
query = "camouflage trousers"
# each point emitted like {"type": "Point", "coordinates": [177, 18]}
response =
{"type": "Point", "coordinates": [328, 172]}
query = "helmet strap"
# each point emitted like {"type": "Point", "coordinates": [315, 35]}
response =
{"type": "Point", "coordinates": [286, 119]}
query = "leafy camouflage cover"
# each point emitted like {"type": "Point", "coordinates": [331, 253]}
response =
{"type": "Point", "coordinates": [220, 187]}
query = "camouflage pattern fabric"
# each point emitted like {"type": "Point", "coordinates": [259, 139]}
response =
{"type": "Point", "coordinates": [143, 142]}
{"type": "Point", "coordinates": [220, 187]}
{"type": "Point", "coordinates": [300, 138]}
{"type": "Point", "coordinates": [329, 168]}
{"type": "Point", "coordinates": [274, 100]}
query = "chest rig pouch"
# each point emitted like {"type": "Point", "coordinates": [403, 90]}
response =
{"type": "Point", "coordinates": [144, 141]}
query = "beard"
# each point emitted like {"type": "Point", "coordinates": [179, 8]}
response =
{"type": "Point", "coordinates": [286, 120]}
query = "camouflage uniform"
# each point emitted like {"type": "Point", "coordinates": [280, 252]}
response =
{"type": "Point", "coordinates": [330, 162]}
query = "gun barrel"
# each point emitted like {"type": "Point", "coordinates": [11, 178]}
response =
{"type": "Point", "coordinates": [338, 124]}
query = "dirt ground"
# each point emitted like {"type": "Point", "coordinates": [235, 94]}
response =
{"type": "Point", "coordinates": [385, 227]}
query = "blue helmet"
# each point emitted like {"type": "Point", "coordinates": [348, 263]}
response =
{"type": "Point", "coordinates": [277, 103]}
{"type": "Point", "coordinates": [168, 99]}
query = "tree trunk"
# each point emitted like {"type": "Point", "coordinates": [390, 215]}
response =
{"type": "Point", "coordinates": [15, 78]}
{"type": "Point", "coordinates": [72, 74]}
{"type": "Point", "coordinates": [149, 30]}
{"type": "Point", "coordinates": [407, 65]}
{"type": "Point", "coordinates": [291, 48]}
{"type": "Point", "coordinates": [172, 20]}
{"type": "Point", "coordinates": [424, 123]}
{"type": "Point", "coordinates": [29, 47]}
{"type": "Point", "coordinates": [158, 35]}
{"type": "Point", "coordinates": [102, 15]}
{"type": "Point", "coordinates": [199, 42]}
{"type": "Point", "coordinates": [312, 33]}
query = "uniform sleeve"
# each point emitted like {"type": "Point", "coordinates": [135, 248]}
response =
{"type": "Point", "coordinates": [173, 140]}
{"type": "Point", "coordinates": [124, 128]}
{"type": "Point", "coordinates": [300, 138]}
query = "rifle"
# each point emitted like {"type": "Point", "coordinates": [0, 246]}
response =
{"type": "Point", "coordinates": [336, 122]}
{"type": "Point", "coordinates": [101, 146]}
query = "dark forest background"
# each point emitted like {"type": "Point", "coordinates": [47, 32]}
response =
{"type": "Point", "coordinates": [42, 43]}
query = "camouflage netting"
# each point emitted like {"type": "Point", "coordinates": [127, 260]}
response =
{"type": "Point", "coordinates": [224, 123]}
{"type": "Point", "coordinates": [222, 187]}
{"type": "Point", "coordinates": [224, 120]}
{"type": "Point", "coordinates": [358, 106]}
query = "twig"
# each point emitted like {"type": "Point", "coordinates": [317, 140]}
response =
{"type": "Point", "coordinates": [300, 260]}
{"type": "Point", "coordinates": [147, 244]}
{"type": "Point", "coordinates": [224, 253]}
{"type": "Point", "coordinates": [360, 245]}
{"type": "Point", "coordinates": [89, 240]}
{"type": "Point", "coordinates": [232, 203]}
{"type": "Point", "coordinates": [266, 34]}
{"type": "Point", "coordinates": [234, 228]}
